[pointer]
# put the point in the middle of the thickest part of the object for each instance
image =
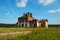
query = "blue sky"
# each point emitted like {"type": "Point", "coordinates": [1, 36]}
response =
{"type": "Point", "coordinates": [10, 10]}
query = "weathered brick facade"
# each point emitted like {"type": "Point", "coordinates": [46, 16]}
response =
{"type": "Point", "coordinates": [28, 21]}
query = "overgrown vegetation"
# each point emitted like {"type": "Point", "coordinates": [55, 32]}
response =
{"type": "Point", "coordinates": [52, 33]}
{"type": "Point", "coordinates": [37, 34]}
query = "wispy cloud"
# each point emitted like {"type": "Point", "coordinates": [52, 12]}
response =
{"type": "Point", "coordinates": [54, 11]}
{"type": "Point", "coordinates": [21, 3]}
{"type": "Point", "coordinates": [46, 2]}
{"type": "Point", "coordinates": [9, 15]}
{"type": "Point", "coordinates": [9, 21]}
{"type": "Point", "coordinates": [11, 18]}
{"type": "Point", "coordinates": [54, 20]}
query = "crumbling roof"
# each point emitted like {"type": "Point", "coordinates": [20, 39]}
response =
{"type": "Point", "coordinates": [43, 20]}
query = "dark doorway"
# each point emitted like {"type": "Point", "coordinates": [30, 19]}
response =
{"type": "Point", "coordinates": [22, 25]}
{"type": "Point", "coordinates": [42, 25]}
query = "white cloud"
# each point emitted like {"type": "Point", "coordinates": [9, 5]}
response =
{"type": "Point", "coordinates": [54, 11]}
{"type": "Point", "coordinates": [46, 2]}
{"type": "Point", "coordinates": [21, 3]}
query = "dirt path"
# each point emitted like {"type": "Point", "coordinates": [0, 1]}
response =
{"type": "Point", "coordinates": [14, 33]}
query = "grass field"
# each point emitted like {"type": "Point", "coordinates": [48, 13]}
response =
{"type": "Point", "coordinates": [34, 34]}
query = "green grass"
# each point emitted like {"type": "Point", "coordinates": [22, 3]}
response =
{"type": "Point", "coordinates": [7, 30]}
{"type": "Point", "coordinates": [37, 34]}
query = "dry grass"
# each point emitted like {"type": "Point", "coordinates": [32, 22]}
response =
{"type": "Point", "coordinates": [32, 33]}
{"type": "Point", "coordinates": [4, 35]}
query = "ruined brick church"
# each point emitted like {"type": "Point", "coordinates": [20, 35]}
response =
{"type": "Point", "coordinates": [27, 20]}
